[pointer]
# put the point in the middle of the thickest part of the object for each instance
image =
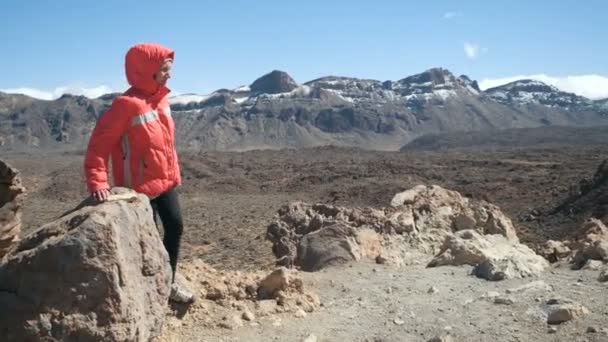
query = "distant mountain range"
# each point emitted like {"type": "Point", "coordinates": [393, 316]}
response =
{"type": "Point", "coordinates": [277, 112]}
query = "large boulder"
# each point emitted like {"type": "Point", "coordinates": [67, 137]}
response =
{"type": "Point", "coordinates": [591, 243]}
{"type": "Point", "coordinates": [11, 201]}
{"type": "Point", "coordinates": [100, 273]}
{"type": "Point", "coordinates": [494, 256]}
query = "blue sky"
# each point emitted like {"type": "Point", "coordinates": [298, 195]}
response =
{"type": "Point", "coordinates": [57, 46]}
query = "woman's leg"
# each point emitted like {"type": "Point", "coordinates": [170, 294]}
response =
{"type": "Point", "coordinates": [167, 207]}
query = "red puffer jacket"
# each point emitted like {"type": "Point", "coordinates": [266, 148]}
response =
{"type": "Point", "coordinates": [137, 131]}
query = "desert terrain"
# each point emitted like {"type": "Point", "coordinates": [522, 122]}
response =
{"type": "Point", "coordinates": [230, 198]}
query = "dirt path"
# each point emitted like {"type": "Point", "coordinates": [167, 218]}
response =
{"type": "Point", "coordinates": [368, 302]}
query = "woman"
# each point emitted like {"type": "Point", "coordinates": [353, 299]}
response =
{"type": "Point", "coordinates": [138, 133]}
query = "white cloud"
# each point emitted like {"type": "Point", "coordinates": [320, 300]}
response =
{"type": "Point", "coordinates": [591, 86]}
{"type": "Point", "coordinates": [472, 50]}
{"type": "Point", "coordinates": [450, 15]}
{"type": "Point", "coordinates": [57, 92]}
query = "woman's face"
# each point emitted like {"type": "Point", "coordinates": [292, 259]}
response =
{"type": "Point", "coordinates": [164, 73]}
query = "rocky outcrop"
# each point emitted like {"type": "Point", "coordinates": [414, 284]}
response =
{"type": "Point", "coordinates": [11, 202]}
{"type": "Point", "coordinates": [315, 236]}
{"type": "Point", "coordinates": [98, 273]}
{"type": "Point", "coordinates": [494, 257]}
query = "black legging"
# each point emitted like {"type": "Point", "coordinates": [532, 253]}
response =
{"type": "Point", "coordinates": [167, 207]}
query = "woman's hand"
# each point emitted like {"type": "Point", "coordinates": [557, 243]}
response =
{"type": "Point", "coordinates": [101, 195]}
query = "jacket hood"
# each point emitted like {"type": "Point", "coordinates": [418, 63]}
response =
{"type": "Point", "coordinates": [142, 62]}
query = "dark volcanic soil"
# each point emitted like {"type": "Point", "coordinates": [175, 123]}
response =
{"type": "Point", "coordinates": [228, 199]}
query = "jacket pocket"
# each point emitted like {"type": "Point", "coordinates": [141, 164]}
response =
{"type": "Point", "coordinates": [141, 165]}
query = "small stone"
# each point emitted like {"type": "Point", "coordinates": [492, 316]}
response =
{"type": "Point", "coordinates": [566, 312]}
{"type": "Point", "coordinates": [310, 338]}
{"type": "Point", "coordinates": [231, 323]}
{"type": "Point", "coordinates": [433, 290]}
{"type": "Point", "coordinates": [552, 330]}
{"type": "Point", "coordinates": [503, 300]}
{"type": "Point", "coordinates": [538, 285]}
{"type": "Point", "coordinates": [603, 275]}
{"type": "Point", "coordinates": [389, 290]}
{"type": "Point", "coordinates": [276, 322]}
{"type": "Point", "coordinates": [300, 313]}
{"type": "Point", "coordinates": [248, 316]}
{"type": "Point", "coordinates": [490, 294]}
{"type": "Point", "coordinates": [592, 330]}
{"type": "Point", "coordinates": [444, 338]}
{"type": "Point", "coordinates": [468, 301]}
{"type": "Point", "coordinates": [398, 321]}
{"type": "Point", "coordinates": [593, 265]}
{"type": "Point", "coordinates": [239, 306]}
{"type": "Point", "coordinates": [276, 281]}
{"type": "Point", "coordinates": [225, 325]}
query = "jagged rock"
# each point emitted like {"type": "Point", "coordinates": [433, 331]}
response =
{"type": "Point", "coordinates": [11, 202]}
{"type": "Point", "coordinates": [99, 273]}
{"type": "Point", "coordinates": [554, 251]}
{"type": "Point", "coordinates": [434, 206]}
{"type": "Point", "coordinates": [494, 257]}
{"type": "Point", "coordinates": [408, 196]}
{"type": "Point", "coordinates": [314, 236]}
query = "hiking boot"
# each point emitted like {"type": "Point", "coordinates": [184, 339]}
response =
{"type": "Point", "coordinates": [180, 294]}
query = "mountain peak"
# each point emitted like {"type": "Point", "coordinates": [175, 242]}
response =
{"type": "Point", "coordinates": [526, 85]}
{"type": "Point", "coordinates": [526, 91]}
{"type": "Point", "coordinates": [274, 82]}
{"type": "Point", "coordinates": [434, 75]}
